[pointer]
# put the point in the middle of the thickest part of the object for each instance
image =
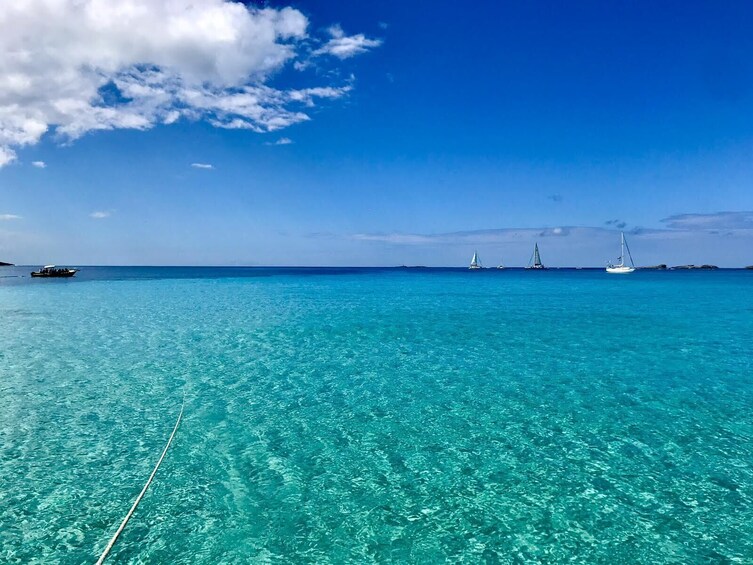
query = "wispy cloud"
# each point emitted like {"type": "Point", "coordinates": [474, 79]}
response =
{"type": "Point", "coordinates": [72, 88]}
{"type": "Point", "coordinates": [713, 221]}
{"type": "Point", "coordinates": [8, 217]}
{"type": "Point", "coordinates": [345, 46]}
{"type": "Point", "coordinates": [678, 228]}
{"type": "Point", "coordinates": [475, 237]}
{"type": "Point", "coordinates": [396, 238]}
{"type": "Point", "coordinates": [39, 164]}
{"type": "Point", "coordinates": [100, 214]}
{"type": "Point", "coordinates": [281, 141]}
{"type": "Point", "coordinates": [202, 166]}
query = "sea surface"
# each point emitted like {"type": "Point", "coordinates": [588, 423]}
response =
{"type": "Point", "coordinates": [377, 416]}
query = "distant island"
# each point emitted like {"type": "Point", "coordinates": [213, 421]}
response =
{"type": "Point", "coordinates": [705, 267]}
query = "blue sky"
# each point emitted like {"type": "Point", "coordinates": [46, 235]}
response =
{"type": "Point", "coordinates": [436, 129]}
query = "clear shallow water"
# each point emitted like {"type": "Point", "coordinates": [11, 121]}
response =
{"type": "Point", "coordinates": [378, 415]}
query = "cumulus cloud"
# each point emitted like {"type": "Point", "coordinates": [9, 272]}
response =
{"type": "Point", "coordinates": [100, 214]}
{"type": "Point", "coordinates": [281, 141]}
{"type": "Point", "coordinates": [39, 164]}
{"type": "Point", "coordinates": [77, 66]}
{"type": "Point", "coordinates": [345, 46]}
{"type": "Point", "coordinates": [7, 155]}
{"type": "Point", "coordinates": [202, 166]}
{"type": "Point", "coordinates": [8, 217]}
{"type": "Point", "coordinates": [714, 221]}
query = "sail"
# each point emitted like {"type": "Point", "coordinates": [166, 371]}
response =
{"type": "Point", "coordinates": [535, 261]}
{"type": "Point", "coordinates": [536, 256]}
{"type": "Point", "coordinates": [474, 261]}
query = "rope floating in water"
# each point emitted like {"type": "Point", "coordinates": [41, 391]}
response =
{"type": "Point", "coordinates": [143, 490]}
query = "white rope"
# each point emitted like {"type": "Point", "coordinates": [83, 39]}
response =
{"type": "Point", "coordinates": [143, 490]}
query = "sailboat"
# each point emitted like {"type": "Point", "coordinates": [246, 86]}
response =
{"type": "Point", "coordinates": [621, 268]}
{"type": "Point", "coordinates": [475, 262]}
{"type": "Point", "coordinates": [535, 262]}
{"type": "Point", "coordinates": [500, 266]}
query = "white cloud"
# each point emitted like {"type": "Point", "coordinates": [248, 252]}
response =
{"type": "Point", "coordinates": [281, 141]}
{"type": "Point", "coordinates": [8, 217]}
{"type": "Point", "coordinates": [202, 166]}
{"type": "Point", "coordinates": [7, 155]}
{"type": "Point", "coordinates": [345, 46]}
{"type": "Point", "coordinates": [39, 164]}
{"type": "Point", "coordinates": [77, 66]}
{"type": "Point", "coordinates": [100, 214]}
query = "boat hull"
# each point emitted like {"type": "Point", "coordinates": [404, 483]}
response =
{"type": "Point", "coordinates": [620, 270]}
{"type": "Point", "coordinates": [64, 275]}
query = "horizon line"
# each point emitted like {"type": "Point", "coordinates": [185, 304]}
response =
{"type": "Point", "coordinates": [493, 268]}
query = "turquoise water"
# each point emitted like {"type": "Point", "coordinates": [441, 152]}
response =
{"type": "Point", "coordinates": [378, 416]}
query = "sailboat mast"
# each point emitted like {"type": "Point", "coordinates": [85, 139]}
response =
{"type": "Point", "coordinates": [622, 248]}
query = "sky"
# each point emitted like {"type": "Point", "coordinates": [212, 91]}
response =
{"type": "Point", "coordinates": [209, 132]}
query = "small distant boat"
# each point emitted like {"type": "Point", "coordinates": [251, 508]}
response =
{"type": "Point", "coordinates": [500, 266]}
{"type": "Point", "coordinates": [52, 271]}
{"type": "Point", "coordinates": [535, 262]}
{"type": "Point", "coordinates": [475, 261]}
{"type": "Point", "coordinates": [621, 268]}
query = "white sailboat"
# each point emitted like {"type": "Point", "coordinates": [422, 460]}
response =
{"type": "Point", "coordinates": [621, 268]}
{"type": "Point", "coordinates": [501, 265]}
{"type": "Point", "coordinates": [535, 262]}
{"type": "Point", "coordinates": [475, 262]}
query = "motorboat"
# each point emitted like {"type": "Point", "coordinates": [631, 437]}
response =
{"type": "Point", "coordinates": [53, 271]}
